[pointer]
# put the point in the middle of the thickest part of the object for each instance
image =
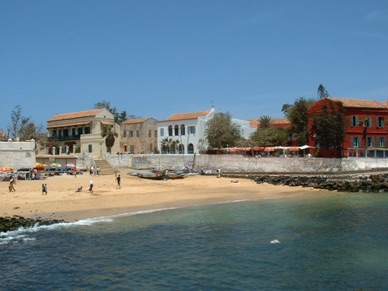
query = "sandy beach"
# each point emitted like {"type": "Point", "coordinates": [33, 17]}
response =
{"type": "Point", "coordinates": [135, 194]}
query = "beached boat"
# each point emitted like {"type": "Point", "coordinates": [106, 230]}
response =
{"type": "Point", "coordinates": [153, 174]}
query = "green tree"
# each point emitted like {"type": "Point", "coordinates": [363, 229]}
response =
{"type": "Point", "coordinates": [23, 127]}
{"type": "Point", "coordinates": [221, 132]}
{"type": "Point", "coordinates": [329, 126]}
{"type": "Point", "coordinates": [169, 145]}
{"type": "Point", "coordinates": [119, 117]}
{"type": "Point", "coordinates": [297, 115]}
{"type": "Point", "coordinates": [265, 121]}
{"type": "Point", "coordinates": [322, 92]}
{"type": "Point", "coordinates": [269, 136]}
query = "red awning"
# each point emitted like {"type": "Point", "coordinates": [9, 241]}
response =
{"type": "Point", "coordinates": [269, 149]}
{"type": "Point", "coordinates": [293, 149]}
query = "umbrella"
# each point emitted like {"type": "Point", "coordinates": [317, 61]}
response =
{"type": "Point", "coordinates": [70, 165]}
{"type": "Point", "coordinates": [39, 166]}
{"type": "Point", "coordinates": [56, 165]}
{"type": "Point", "coordinates": [6, 169]}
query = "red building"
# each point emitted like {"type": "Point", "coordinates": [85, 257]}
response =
{"type": "Point", "coordinates": [366, 128]}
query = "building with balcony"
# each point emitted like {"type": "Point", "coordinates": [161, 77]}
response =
{"type": "Point", "coordinates": [139, 135]}
{"type": "Point", "coordinates": [82, 132]}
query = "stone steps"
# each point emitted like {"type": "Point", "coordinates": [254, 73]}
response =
{"type": "Point", "coordinates": [105, 167]}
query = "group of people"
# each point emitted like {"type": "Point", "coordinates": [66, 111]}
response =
{"type": "Point", "coordinates": [94, 171]}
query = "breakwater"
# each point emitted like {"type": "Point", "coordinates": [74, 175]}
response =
{"type": "Point", "coordinates": [342, 183]}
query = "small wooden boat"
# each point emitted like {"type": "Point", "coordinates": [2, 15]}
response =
{"type": "Point", "coordinates": [153, 175]}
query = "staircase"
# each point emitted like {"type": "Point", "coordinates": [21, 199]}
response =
{"type": "Point", "coordinates": [105, 167]}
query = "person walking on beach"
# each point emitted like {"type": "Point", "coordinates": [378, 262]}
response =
{"type": "Point", "coordinates": [165, 175]}
{"type": "Point", "coordinates": [44, 189]}
{"type": "Point", "coordinates": [219, 173]}
{"type": "Point", "coordinates": [118, 179]}
{"type": "Point", "coordinates": [12, 183]}
{"type": "Point", "coordinates": [91, 186]}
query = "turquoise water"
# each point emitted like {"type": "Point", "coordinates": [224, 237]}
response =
{"type": "Point", "coordinates": [332, 242]}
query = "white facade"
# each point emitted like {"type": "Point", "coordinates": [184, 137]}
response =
{"type": "Point", "coordinates": [244, 127]}
{"type": "Point", "coordinates": [186, 130]}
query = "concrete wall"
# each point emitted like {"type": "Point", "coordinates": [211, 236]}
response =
{"type": "Point", "coordinates": [239, 163]}
{"type": "Point", "coordinates": [17, 154]}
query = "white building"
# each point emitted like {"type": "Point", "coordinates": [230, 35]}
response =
{"type": "Point", "coordinates": [183, 132]}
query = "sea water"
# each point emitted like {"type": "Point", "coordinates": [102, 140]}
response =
{"type": "Point", "coordinates": [320, 242]}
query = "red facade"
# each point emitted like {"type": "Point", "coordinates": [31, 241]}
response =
{"type": "Point", "coordinates": [366, 127]}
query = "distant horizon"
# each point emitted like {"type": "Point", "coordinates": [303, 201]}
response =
{"type": "Point", "coordinates": [156, 58]}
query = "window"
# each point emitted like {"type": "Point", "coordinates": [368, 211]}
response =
{"type": "Point", "coordinates": [190, 149]}
{"type": "Point", "coordinates": [125, 133]}
{"type": "Point", "coordinates": [87, 130]}
{"type": "Point", "coordinates": [131, 133]}
{"type": "Point", "coordinates": [161, 132]}
{"type": "Point", "coordinates": [150, 147]}
{"type": "Point", "coordinates": [170, 130]}
{"type": "Point", "coordinates": [354, 121]}
{"type": "Point", "coordinates": [381, 142]}
{"type": "Point", "coordinates": [191, 129]}
{"type": "Point", "coordinates": [380, 122]}
{"type": "Point", "coordinates": [370, 141]}
{"type": "Point", "coordinates": [176, 130]}
{"type": "Point", "coordinates": [356, 141]}
{"type": "Point", "coordinates": [149, 133]}
{"type": "Point", "coordinates": [183, 129]}
{"type": "Point", "coordinates": [181, 149]}
{"type": "Point", "coordinates": [90, 148]}
{"type": "Point", "coordinates": [156, 133]}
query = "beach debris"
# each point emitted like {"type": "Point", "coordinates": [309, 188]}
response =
{"type": "Point", "coordinates": [275, 241]}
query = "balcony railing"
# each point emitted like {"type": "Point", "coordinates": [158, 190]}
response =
{"type": "Point", "coordinates": [59, 138]}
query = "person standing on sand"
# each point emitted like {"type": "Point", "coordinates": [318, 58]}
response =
{"type": "Point", "coordinates": [91, 186]}
{"type": "Point", "coordinates": [118, 179]}
{"type": "Point", "coordinates": [12, 183]}
{"type": "Point", "coordinates": [44, 189]}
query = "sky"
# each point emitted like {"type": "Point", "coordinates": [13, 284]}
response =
{"type": "Point", "coordinates": [155, 58]}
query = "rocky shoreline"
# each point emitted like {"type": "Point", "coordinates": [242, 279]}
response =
{"type": "Point", "coordinates": [341, 183]}
{"type": "Point", "coordinates": [16, 222]}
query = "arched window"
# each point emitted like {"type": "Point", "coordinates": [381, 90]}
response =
{"type": "Point", "coordinates": [181, 149]}
{"type": "Point", "coordinates": [190, 149]}
{"type": "Point", "coordinates": [176, 130]}
{"type": "Point", "coordinates": [183, 129]}
{"type": "Point", "coordinates": [170, 130]}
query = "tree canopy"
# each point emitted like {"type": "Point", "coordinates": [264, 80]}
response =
{"type": "Point", "coordinates": [221, 132]}
{"type": "Point", "coordinates": [23, 127]}
{"type": "Point", "coordinates": [322, 92]}
{"type": "Point", "coordinates": [329, 126]}
{"type": "Point", "coordinates": [119, 117]}
{"type": "Point", "coordinates": [297, 115]}
{"type": "Point", "coordinates": [266, 135]}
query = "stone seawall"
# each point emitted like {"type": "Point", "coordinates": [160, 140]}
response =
{"type": "Point", "coordinates": [17, 154]}
{"type": "Point", "coordinates": [244, 164]}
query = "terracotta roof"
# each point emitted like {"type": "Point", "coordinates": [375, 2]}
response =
{"type": "Point", "coordinates": [359, 103]}
{"type": "Point", "coordinates": [134, 121]}
{"type": "Point", "coordinates": [254, 123]}
{"type": "Point", "coordinates": [189, 115]}
{"type": "Point", "coordinates": [72, 115]}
